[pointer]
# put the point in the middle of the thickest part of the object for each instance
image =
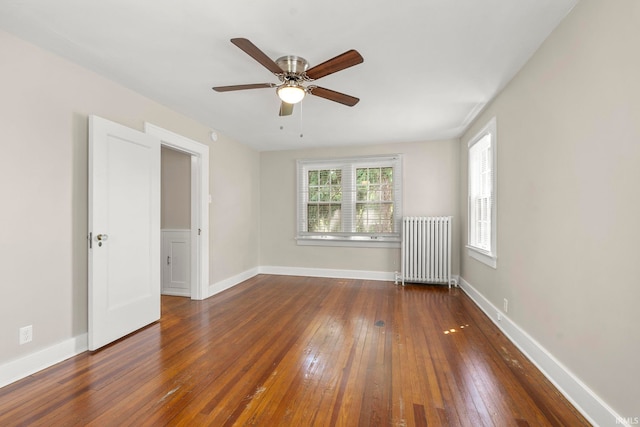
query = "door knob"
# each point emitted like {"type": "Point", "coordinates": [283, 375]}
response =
{"type": "Point", "coordinates": [102, 237]}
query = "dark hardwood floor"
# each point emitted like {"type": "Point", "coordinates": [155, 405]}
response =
{"type": "Point", "coordinates": [298, 351]}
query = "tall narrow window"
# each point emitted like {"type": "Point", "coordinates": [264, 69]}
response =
{"type": "Point", "coordinates": [482, 195]}
{"type": "Point", "coordinates": [355, 201]}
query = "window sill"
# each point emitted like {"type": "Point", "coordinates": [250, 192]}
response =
{"type": "Point", "coordinates": [482, 256]}
{"type": "Point", "coordinates": [361, 242]}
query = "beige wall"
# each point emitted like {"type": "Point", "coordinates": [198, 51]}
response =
{"type": "Point", "coordinates": [431, 183]}
{"type": "Point", "coordinates": [44, 104]}
{"type": "Point", "coordinates": [235, 216]}
{"type": "Point", "coordinates": [568, 199]}
{"type": "Point", "coordinates": [175, 210]}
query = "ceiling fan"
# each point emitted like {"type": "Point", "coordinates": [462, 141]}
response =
{"type": "Point", "coordinates": [293, 71]}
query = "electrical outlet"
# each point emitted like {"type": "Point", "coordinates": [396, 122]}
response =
{"type": "Point", "coordinates": [26, 334]}
{"type": "Point", "coordinates": [505, 305]}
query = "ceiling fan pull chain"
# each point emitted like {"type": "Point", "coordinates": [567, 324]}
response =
{"type": "Point", "coordinates": [300, 109]}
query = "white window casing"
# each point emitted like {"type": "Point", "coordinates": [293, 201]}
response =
{"type": "Point", "coordinates": [335, 208]}
{"type": "Point", "coordinates": [482, 224]}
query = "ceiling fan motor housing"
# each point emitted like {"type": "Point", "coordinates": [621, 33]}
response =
{"type": "Point", "coordinates": [292, 65]}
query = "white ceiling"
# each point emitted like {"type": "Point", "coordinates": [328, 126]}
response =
{"type": "Point", "coordinates": [429, 65]}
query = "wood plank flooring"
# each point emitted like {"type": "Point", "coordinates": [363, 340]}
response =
{"type": "Point", "coordinates": [298, 351]}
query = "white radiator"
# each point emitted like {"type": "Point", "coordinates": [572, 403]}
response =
{"type": "Point", "coordinates": [426, 249]}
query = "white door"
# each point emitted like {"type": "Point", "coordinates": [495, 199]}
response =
{"type": "Point", "coordinates": [124, 231]}
{"type": "Point", "coordinates": [176, 269]}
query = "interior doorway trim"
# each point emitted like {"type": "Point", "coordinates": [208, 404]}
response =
{"type": "Point", "coordinates": [199, 204]}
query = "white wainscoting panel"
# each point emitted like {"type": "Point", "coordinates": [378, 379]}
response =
{"type": "Point", "coordinates": [176, 262]}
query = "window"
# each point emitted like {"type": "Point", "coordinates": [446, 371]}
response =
{"type": "Point", "coordinates": [482, 196]}
{"type": "Point", "coordinates": [353, 202]}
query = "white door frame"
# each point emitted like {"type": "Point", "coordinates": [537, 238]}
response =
{"type": "Point", "coordinates": [200, 200]}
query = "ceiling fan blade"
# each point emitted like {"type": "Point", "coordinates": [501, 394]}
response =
{"type": "Point", "coordinates": [285, 109]}
{"type": "Point", "coordinates": [339, 63]}
{"type": "Point", "coordinates": [253, 51]}
{"type": "Point", "coordinates": [243, 87]}
{"type": "Point", "coordinates": [332, 95]}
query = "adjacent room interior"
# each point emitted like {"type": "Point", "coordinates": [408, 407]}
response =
{"type": "Point", "coordinates": [521, 122]}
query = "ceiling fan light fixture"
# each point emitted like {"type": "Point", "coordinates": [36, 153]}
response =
{"type": "Point", "coordinates": [293, 71]}
{"type": "Point", "coordinates": [291, 92]}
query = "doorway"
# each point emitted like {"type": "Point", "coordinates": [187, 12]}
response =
{"type": "Point", "coordinates": [199, 205]}
{"type": "Point", "coordinates": [175, 222]}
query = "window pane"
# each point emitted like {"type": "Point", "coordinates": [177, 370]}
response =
{"type": "Point", "coordinates": [324, 218]}
{"type": "Point", "coordinates": [335, 222]}
{"type": "Point", "coordinates": [386, 181]}
{"type": "Point", "coordinates": [312, 217]}
{"type": "Point", "coordinates": [324, 177]}
{"type": "Point", "coordinates": [336, 176]}
{"type": "Point", "coordinates": [374, 175]}
{"type": "Point", "coordinates": [374, 218]}
{"type": "Point", "coordinates": [313, 177]}
{"type": "Point", "coordinates": [336, 193]}
{"type": "Point", "coordinates": [313, 194]}
{"type": "Point", "coordinates": [362, 176]}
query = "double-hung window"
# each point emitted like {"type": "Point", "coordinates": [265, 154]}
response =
{"type": "Point", "coordinates": [482, 195]}
{"type": "Point", "coordinates": [350, 202]}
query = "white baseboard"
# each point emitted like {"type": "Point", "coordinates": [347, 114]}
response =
{"type": "Point", "coordinates": [232, 281]}
{"type": "Point", "coordinates": [177, 293]}
{"type": "Point", "coordinates": [582, 397]}
{"type": "Point", "coordinates": [329, 273]}
{"type": "Point", "coordinates": [20, 368]}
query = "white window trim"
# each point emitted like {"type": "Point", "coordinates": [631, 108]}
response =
{"type": "Point", "coordinates": [485, 257]}
{"type": "Point", "coordinates": [490, 257]}
{"type": "Point", "coordinates": [349, 239]}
